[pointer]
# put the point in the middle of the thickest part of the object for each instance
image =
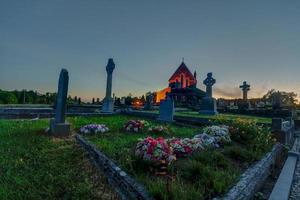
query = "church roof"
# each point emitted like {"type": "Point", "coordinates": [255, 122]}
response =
{"type": "Point", "coordinates": [182, 69]}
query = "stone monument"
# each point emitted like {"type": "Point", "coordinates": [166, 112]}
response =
{"type": "Point", "coordinates": [108, 101]}
{"type": "Point", "coordinates": [245, 88]}
{"type": "Point", "coordinates": [58, 126]}
{"type": "Point", "coordinates": [166, 110]}
{"type": "Point", "coordinates": [277, 101]}
{"type": "Point", "coordinates": [208, 105]}
{"type": "Point", "coordinates": [149, 101]}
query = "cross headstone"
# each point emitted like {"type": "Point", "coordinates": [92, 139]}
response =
{"type": "Point", "coordinates": [208, 104]}
{"type": "Point", "coordinates": [209, 82]}
{"type": "Point", "coordinates": [166, 110]}
{"type": "Point", "coordinates": [245, 87]}
{"type": "Point", "coordinates": [58, 126]}
{"type": "Point", "coordinates": [108, 101]}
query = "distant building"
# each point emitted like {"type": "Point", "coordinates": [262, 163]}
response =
{"type": "Point", "coordinates": [182, 88]}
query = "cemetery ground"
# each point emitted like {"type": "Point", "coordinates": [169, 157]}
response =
{"type": "Point", "coordinates": [34, 165]}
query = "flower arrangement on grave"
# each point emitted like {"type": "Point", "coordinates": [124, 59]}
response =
{"type": "Point", "coordinates": [155, 150]}
{"type": "Point", "coordinates": [94, 129]}
{"type": "Point", "coordinates": [207, 140]}
{"type": "Point", "coordinates": [158, 129]}
{"type": "Point", "coordinates": [186, 146]}
{"type": "Point", "coordinates": [220, 133]}
{"type": "Point", "coordinates": [135, 125]}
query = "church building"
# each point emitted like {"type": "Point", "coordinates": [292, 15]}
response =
{"type": "Point", "coordinates": [182, 88]}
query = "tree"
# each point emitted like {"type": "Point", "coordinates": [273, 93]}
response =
{"type": "Point", "coordinates": [285, 98]}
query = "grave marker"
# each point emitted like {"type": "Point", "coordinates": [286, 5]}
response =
{"type": "Point", "coordinates": [58, 126]}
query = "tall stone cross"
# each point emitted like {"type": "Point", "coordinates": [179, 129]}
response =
{"type": "Point", "coordinates": [209, 82]}
{"type": "Point", "coordinates": [61, 98]}
{"type": "Point", "coordinates": [245, 87]}
{"type": "Point", "coordinates": [109, 69]}
{"type": "Point", "coordinates": [108, 102]}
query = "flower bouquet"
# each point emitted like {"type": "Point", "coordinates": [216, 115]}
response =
{"type": "Point", "coordinates": [155, 150]}
{"type": "Point", "coordinates": [158, 129]}
{"type": "Point", "coordinates": [93, 129]}
{"type": "Point", "coordinates": [134, 125]}
{"type": "Point", "coordinates": [186, 146]}
{"type": "Point", "coordinates": [207, 140]}
{"type": "Point", "coordinates": [221, 133]}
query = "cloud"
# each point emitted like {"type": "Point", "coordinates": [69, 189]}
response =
{"type": "Point", "coordinates": [228, 92]}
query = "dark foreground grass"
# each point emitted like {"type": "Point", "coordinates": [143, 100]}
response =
{"type": "Point", "coordinates": [204, 175]}
{"type": "Point", "coordinates": [36, 166]}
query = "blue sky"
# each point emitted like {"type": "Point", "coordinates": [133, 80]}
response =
{"type": "Point", "coordinates": [256, 41]}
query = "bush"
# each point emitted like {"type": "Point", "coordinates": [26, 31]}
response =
{"type": "Point", "coordinates": [240, 154]}
{"type": "Point", "coordinates": [247, 132]}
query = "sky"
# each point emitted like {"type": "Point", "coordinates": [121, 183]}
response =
{"type": "Point", "coordinates": [253, 41]}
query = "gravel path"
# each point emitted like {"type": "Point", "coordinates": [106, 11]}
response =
{"type": "Point", "coordinates": [295, 190]}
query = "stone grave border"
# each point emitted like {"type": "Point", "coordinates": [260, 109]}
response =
{"type": "Point", "coordinates": [124, 185]}
{"type": "Point", "coordinates": [254, 177]}
{"type": "Point", "coordinates": [127, 188]}
{"type": "Point", "coordinates": [283, 186]}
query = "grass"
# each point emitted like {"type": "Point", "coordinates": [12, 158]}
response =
{"type": "Point", "coordinates": [204, 175]}
{"type": "Point", "coordinates": [223, 115]}
{"type": "Point", "coordinates": [36, 166]}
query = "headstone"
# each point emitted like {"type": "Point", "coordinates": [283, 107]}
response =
{"type": "Point", "coordinates": [149, 101]}
{"type": "Point", "coordinates": [108, 101]}
{"type": "Point", "coordinates": [208, 105]}
{"type": "Point", "coordinates": [277, 101]}
{"type": "Point", "coordinates": [166, 110]}
{"type": "Point", "coordinates": [58, 126]}
{"type": "Point", "coordinates": [245, 104]}
{"type": "Point", "coordinates": [245, 88]}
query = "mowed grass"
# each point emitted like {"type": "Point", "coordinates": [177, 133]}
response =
{"type": "Point", "coordinates": [36, 166]}
{"type": "Point", "coordinates": [204, 175]}
{"type": "Point", "coordinates": [228, 116]}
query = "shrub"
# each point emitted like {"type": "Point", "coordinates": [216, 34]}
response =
{"type": "Point", "coordinates": [241, 154]}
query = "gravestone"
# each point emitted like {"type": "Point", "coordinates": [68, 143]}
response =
{"type": "Point", "coordinates": [108, 101]}
{"type": "Point", "coordinates": [208, 105]}
{"type": "Point", "coordinates": [166, 110]}
{"type": "Point", "coordinates": [149, 101]}
{"type": "Point", "coordinates": [245, 104]}
{"type": "Point", "coordinates": [58, 126]}
{"type": "Point", "coordinates": [277, 101]}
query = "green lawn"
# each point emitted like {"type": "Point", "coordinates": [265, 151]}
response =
{"type": "Point", "coordinates": [202, 176]}
{"type": "Point", "coordinates": [223, 115]}
{"type": "Point", "coordinates": [36, 166]}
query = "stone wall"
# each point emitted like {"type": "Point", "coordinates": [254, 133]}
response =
{"type": "Point", "coordinates": [125, 186]}
{"type": "Point", "coordinates": [254, 177]}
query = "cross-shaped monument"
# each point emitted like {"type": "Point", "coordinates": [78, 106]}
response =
{"type": "Point", "coordinates": [208, 104]}
{"type": "Point", "coordinates": [245, 87]}
{"type": "Point", "coordinates": [108, 101]}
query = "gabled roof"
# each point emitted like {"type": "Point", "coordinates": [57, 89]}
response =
{"type": "Point", "coordinates": [180, 69]}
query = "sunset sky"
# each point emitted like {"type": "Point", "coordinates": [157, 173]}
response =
{"type": "Point", "coordinates": [256, 41]}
